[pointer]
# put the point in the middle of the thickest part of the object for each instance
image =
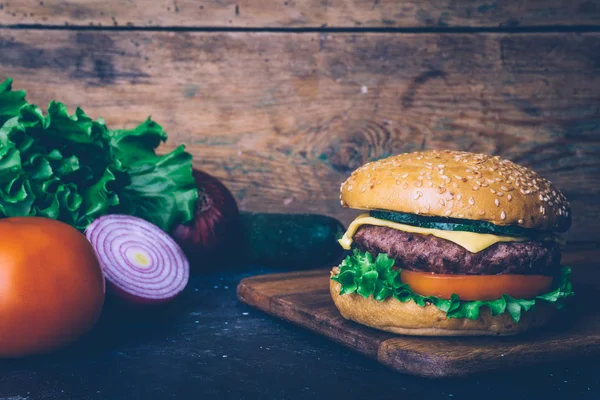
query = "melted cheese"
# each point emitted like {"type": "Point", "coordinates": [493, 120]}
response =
{"type": "Point", "coordinates": [472, 241]}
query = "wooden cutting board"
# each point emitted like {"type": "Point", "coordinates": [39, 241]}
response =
{"type": "Point", "coordinates": [303, 298]}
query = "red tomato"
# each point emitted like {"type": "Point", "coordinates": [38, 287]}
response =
{"type": "Point", "coordinates": [476, 287]}
{"type": "Point", "coordinates": [51, 285]}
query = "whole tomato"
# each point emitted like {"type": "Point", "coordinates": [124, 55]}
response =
{"type": "Point", "coordinates": [51, 285]}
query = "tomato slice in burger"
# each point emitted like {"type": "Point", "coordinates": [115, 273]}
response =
{"type": "Point", "coordinates": [476, 287]}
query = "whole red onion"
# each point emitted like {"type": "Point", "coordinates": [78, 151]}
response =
{"type": "Point", "coordinates": [214, 227]}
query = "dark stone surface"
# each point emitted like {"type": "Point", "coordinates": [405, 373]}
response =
{"type": "Point", "coordinates": [208, 345]}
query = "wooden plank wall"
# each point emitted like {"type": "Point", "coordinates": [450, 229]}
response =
{"type": "Point", "coordinates": [282, 99]}
{"type": "Point", "coordinates": [302, 13]}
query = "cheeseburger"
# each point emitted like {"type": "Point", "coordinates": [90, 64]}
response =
{"type": "Point", "coordinates": [450, 244]}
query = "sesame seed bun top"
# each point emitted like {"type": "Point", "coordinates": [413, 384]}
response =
{"type": "Point", "coordinates": [457, 184]}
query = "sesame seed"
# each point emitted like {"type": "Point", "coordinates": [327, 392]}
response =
{"type": "Point", "coordinates": [441, 189]}
{"type": "Point", "coordinates": [444, 177]}
{"type": "Point", "coordinates": [497, 202]}
{"type": "Point", "coordinates": [430, 184]}
{"type": "Point", "coordinates": [542, 210]}
{"type": "Point", "coordinates": [397, 182]}
{"type": "Point", "coordinates": [417, 195]}
{"type": "Point", "coordinates": [448, 213]}
{"type": "Point", "coordinates": [481, 212]}
{"type": "Point", "coordinates": [509, 197]}
{"type": "Point", "coordinates": [475, 187]}
{"type": "Point", "coordinates": [442, 202]}
{"type": "Point", "coordinates": [405, 185]}
{"type": "Point", "coordinates": [454, 185]}
{"type": "Point", "coordinates": [541, 197]}
{"type": "Point", "coordinates": [504, 188]}
{"type": "Point", "coordinates": [520, 221]}
{"type": "Point", "coordinates": [492, 190]}
{"type": "Point", "coordinates": [363, 189]}
{"type": "Point", "coordinates": [458, 177]}
{"type": "Point", "coordinates": [349, 188]}
{"type": "Point", "coordinates": [500, 194]}
{"type": "Point", "coordinates": [461, 215]}
{"type": "Point", "coordinates": [419, 183]}
{"type": "Point", "coordinates": [471, 201]}
{"type": "Point", "coordinates": [458, 196]}
{"type": "Point", "coordinates": [404, 175]}
{"type": "Point", "coordinates": [503, 215]}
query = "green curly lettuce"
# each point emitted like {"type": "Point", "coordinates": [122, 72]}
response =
{"type": "Point", "coordinates": [157, 182]}
{"type": "Point", "coordinates": [367, 276]}
{"type": "Point", "coordinates": [74, 169]}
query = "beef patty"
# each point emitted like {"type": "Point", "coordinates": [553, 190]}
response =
{"type": "Point", "coordinates": [428, 253]}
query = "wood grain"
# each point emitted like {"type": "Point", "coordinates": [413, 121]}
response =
{"type": "Point", "coordinates": [302, 13]}
{"type": "Point", "coordinates": [284, 118]}
{"type": "Point", "coordinates": [303, 298]}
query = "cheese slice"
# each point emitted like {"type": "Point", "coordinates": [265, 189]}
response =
{"type": "Point", "coordinates": [472, 241]}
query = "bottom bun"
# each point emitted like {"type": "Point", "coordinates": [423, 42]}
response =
{"type": "Point", "coordinates": [411, 319]}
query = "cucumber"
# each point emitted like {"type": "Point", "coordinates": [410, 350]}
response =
{"type": "Point", "coordinates": [454, 224]}
{"type": "Point", "coordinates": [291, 240]}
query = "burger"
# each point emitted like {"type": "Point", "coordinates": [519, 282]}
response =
{"type": "Point", "coordinates": [451, 244]}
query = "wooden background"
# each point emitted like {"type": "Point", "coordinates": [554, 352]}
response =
{"type": "Point", "coordinates": [282, 99]}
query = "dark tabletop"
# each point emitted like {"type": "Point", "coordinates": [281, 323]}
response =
{"type": "Point", "coordinates": [208, 345]}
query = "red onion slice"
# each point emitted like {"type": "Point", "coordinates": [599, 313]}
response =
{"type": "Point", "coordinates": [141, 263]}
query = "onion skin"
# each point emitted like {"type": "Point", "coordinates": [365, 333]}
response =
{"type": "Point", "coordinates": [114, 292]}
{"type": "Point", "coordinates": [215, 227]}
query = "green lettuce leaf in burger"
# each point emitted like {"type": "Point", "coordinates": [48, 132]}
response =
{"type": "Point", "coordinates": [452, 244]}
